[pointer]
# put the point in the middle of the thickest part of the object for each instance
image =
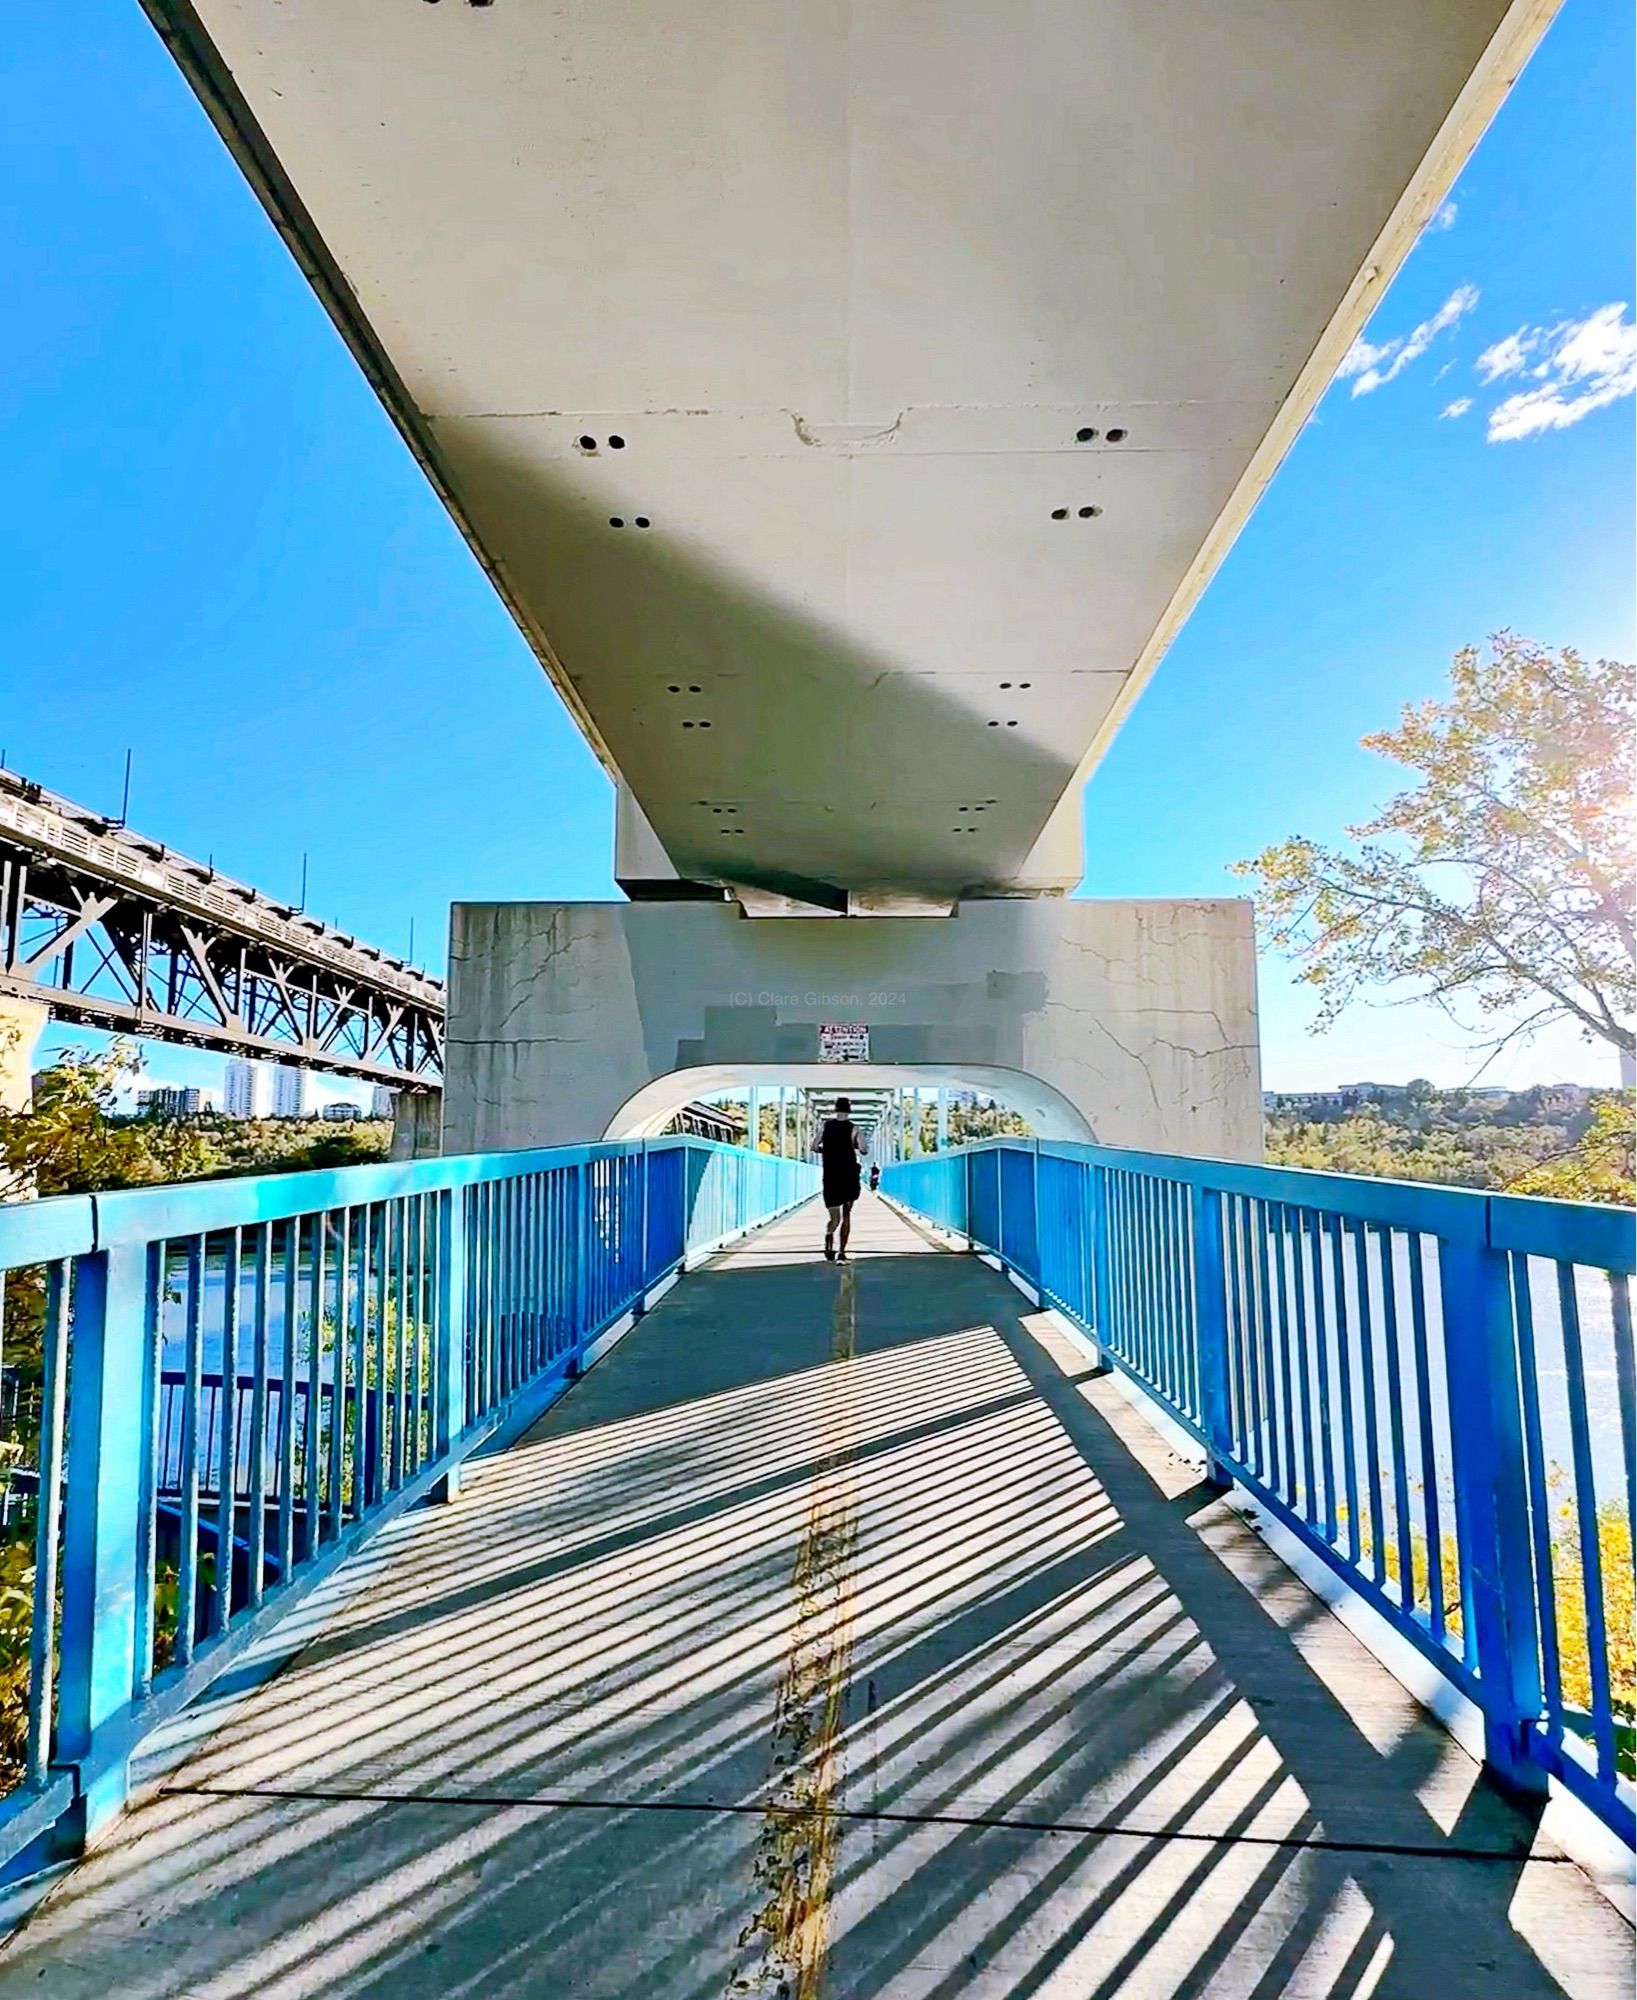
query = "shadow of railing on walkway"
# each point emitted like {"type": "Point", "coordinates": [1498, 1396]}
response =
{"type": "Point", "coordinates": [1092, 1732]}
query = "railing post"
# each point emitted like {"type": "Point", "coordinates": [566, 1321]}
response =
{"type": "Point", "coordinates": [107, 1451]}
{"type": "Point", "coordinates": [1099, 1263]}
{"type": "Point", "coordinates": [449, 1389]}
{"type": "Point", "coordinates": [1038, 1274]}
{"type": "Point", "coordinates": [641, 1305]}
{"type": "Point", "coordinates": [582, 1265]}
{"type": "Point", "coordinates": [1000, 1206]}
{"type": "Point", "coordinates": [1211, 1333]}
{"type": "Point", "coordinates": [1491, 1503]}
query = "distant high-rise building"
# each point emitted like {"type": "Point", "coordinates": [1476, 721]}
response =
{"type": "Point", "coordinates": [249, 1089]}
{"type": "Point", "coordinates": [170, 1101]}
{"type": "Point", "coordinates": [383, 1102]}
{"type": "Point", "coordinates": [292, 1093]}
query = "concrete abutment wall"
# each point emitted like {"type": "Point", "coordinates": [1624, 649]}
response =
{"type": "Point", "coordinates": [1142, 1014]}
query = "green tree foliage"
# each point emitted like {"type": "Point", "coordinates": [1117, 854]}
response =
{"type": "Point", "coordinates": [69, 1141]}
{"type": "Point", "coordinates": [1525, 1143]}
{"type": "Point", "coordinates": [1599, 1165]}
{"type": "Point", "coordinates": [290, 1145]}
{"type": "Point", "coordinates": [1501, 884]}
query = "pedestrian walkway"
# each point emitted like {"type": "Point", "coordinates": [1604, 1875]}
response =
{"type": "Point", "coordinates": [840, 1635]}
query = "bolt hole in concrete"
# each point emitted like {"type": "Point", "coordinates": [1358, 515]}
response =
{"type": "Point", "coordinates": [614, 521]}
{"type": "Point", "coordinates": [616, 443]}
{"type": "Point", "coordinates": [587, 442]}
{"type": "Point", "coordinates": [1085, 435]}
{"type": "Point", "coordinates": [1115, 436]}
{"type": "Point", "coordinates": [643, 520]}
{"type": "Point", "coordinates": [1060, 513]}
{"type": "Point", "coordinates": [1086, 514]}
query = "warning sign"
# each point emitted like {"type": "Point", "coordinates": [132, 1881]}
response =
{"type": "Point", "coordinates": [843, 1042]}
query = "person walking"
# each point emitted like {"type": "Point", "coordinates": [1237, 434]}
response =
{"type": "Point", "coordinates": [840, 1147]}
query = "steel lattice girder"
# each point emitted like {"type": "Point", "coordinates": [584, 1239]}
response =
{"type": "Point", "coordinates": [101, 954]}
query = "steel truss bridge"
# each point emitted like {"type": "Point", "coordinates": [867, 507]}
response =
{"type": "Point", "coordinates": [111, 930]}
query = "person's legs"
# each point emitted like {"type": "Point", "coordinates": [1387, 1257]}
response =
{"type": "Point", "coordinates": [846, 1227]}
{"type": "Point", "coordinates": [836, 1215]}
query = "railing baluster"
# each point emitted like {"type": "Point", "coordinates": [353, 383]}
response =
{"type": "Point", "coordinates": [1211, 1333]}
{"type": "Point", "coordinates": [227, 1429]}
{"type": "Point", "coordinates": [1365, 1320]}
{"type": "Point", "coordinates": [1430, 1497]}
{"type": "Point", "coordinates": [287, 1400]}
{"type": "Point", "coordinates": [257, 1522]}
{"type": "Point", "coordinates": [313, 1429]}
{"type": "Point", "coordinates": [1343, 1321]}
{"type": "Point", "coordinates": [400, 1340]}
{"type": "Point", "coordinates": [156, 1284]}
{"type": "Point", "coordinates": [1278, 1465]}
{"type": "Point", "coordinates": [1539, 1493]}
{"type": "Point", "coordinates": [187, 1565]}
{"type": "Point", "coordinates": [381, 1396]}
{"type": "Point", "coordinates": [359, 1416]}
{"type": "Point", "coordinates": [1323, 1334]}
{"type": "Point", "coordinates": [335, 1510]}
{"type": "Point", "coordinates": [48, 1522]}
{"type": "Point", "coordinates": [1625, 1379]}
{"type": "Point", "coordinates": [1585, 1505]}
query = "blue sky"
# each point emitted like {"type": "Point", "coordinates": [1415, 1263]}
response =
{"type": "Point", "coordinates": [214, 550]}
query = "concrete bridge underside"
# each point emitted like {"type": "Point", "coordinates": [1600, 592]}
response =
{"type": "Point", "coordinates": [851, 397]}
{"type": "Point", "coordinates": [837, 1633]}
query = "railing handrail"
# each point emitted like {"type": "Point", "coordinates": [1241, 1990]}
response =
{"type": "Point", "coordinates": [1535, 1225]}
{"type": "Point", "coordinates": [69, 1225]}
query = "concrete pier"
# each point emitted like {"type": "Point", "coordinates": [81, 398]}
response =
{"type": "Point", "coordinates": [837, 1633]}
{"type": "Point", "coordinates": [1140, 1016]}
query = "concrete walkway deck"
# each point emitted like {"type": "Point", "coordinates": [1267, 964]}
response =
{"type": "Point", "coordinates": [837, 1634]}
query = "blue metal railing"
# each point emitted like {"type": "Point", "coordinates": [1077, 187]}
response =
{"type": "Point", "coordinates": [1432, 1388]}
{"type": "Point", "coordinates": [376, 1323]}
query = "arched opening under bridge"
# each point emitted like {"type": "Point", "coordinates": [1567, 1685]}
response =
{"type": "Point", "coordinates": [1046, 1111]}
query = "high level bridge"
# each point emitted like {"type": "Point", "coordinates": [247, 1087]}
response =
{"type": "Point", "coordinates": [1139, 1572]}
{"type": "Point", "coordinates": [106, 928]}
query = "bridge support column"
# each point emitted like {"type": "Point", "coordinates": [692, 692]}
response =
{"type": "Point", "coordinates": [1130, 1023]}
{"type": "Point", "coordinates": [417, 1125]}
{"type": "Point", "coordinates": [22, 1022]}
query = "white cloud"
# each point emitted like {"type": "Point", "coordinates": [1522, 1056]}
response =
{"type": "Point", "coordinates": [1587, 364]}
{"type": "Point", "coordinates": [1458, 408]}
{"type": "Point", "coordinates": [1507, 356]}
{"type": "Point", "coordinates": [1362, 355]}
{"type": "Point", "coordinates": [1445, 218]}
{"type": "Point", "coordinates": [1370, 366]}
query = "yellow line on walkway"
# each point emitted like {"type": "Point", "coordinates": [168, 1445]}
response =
{"type": "Point", "coordinates": [795, 1854]}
